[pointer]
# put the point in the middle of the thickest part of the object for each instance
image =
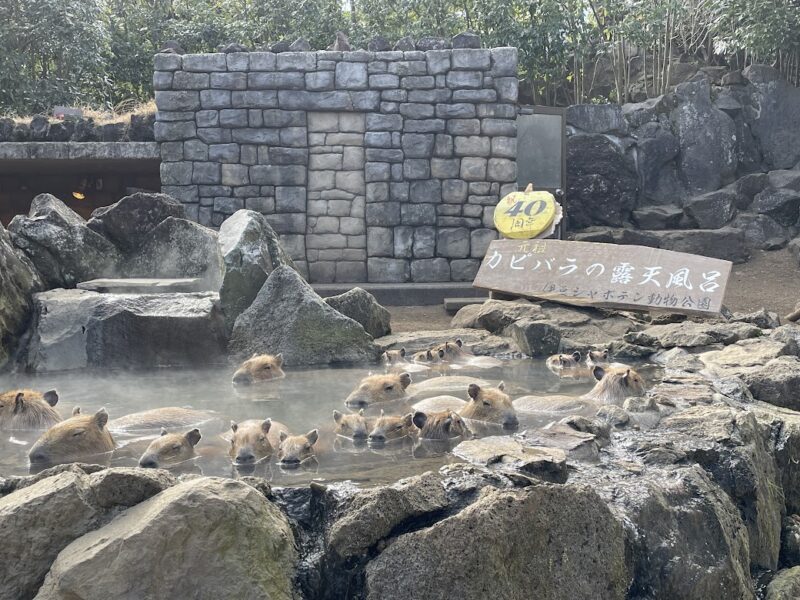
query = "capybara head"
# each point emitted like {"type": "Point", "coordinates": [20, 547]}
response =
{"type": "Point", "coordinates": [353, 425]}
{"type": "Point", "coordinates": [559, 362]}
{"type": "Point", "coordinates": [450, 351]}
{"type": "Point", "coordinates": [377, 389]}
{"type": "Point", "coordinates": [393, 357]}
{"type": "Point", "coordinates": [76, 437]}
{"type": "Point", "coordinates": [443, 425]}
{"type": "Point", "coordinates": [426, 356]}
{"type": "Point", "coordinates": [261, 367]}
{"type": "Point", "coordinates": [614, 384]}
{"type": "Point", "coordinates": [28, 409]}
{"type": "Point", "coordinates": [490, 404]}
{"type": "Point", "coordinates": [294, 449]}
{"type": "Point", "coordinates": [170, 449]}
{"type": "Point", "coordinates": [597, 357]}
{"type": "Point", "coordinates": [250, 442]}
{"type": "Point", "coordinates": [391, 427]}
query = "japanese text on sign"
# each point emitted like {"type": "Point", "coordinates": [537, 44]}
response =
{"type": "Point", "coordinates": [605, 275]}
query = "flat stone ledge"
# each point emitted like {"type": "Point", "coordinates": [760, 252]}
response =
{"type": "Point", "coordinates": [142, 286]}
{"type": "Point", "coordinates": [79, 151]}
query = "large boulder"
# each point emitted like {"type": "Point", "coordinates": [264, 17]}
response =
{"type": "Point", "coordinates": [785, 585]}
{"type": "Point", "coordinates": [61, 246]}
{"type": "Point", "coordinates": [597, 118]}
{"type": "Point", "coordinates": [713, 209]}
{"type": "Point", "coordinates": [761, 231]}
{"type": "Point", "coordinates": [690, 334]}
{"type": "Point", "coordinates": [362, 307]}
{"type": "Point", "coordinates": [506, 453]}
{"type": "Point", "coordinates": [176, 249]}
{"type": "Point", "coordinates": [656, 149]}
{"type": "Point", "coordinates": [727, 243]}
{"type": "Point", "coordinates": [203, 538]}
{"type": "Point", "coordinates": [288, 316]}
{"type": "Point", "coordinates": [777, 382]}
{"type": "Point", "coordinates": [18, 282]}
{"type": "Point", "coordinates": [783, 205]}
{"type": "Point", "coordinates": [602, 184]}
{"type": "Point", "coordinates": [509, 544]}
{"type": "Point", "coordinates": [128, 221]}
{"type": "Point", "coordinates": [250, 250]}
{"type": "Point", "coordinates": [77, 329]}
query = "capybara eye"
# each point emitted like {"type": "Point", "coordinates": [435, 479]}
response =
{"type": "Point", "coordinates": [389, 387]}
{"type": "Point", "coordinates": [485, 403]}
{"type": "Point", "coordinates": [176, 448]}
{"type": "Point", "coordinates": [77, 433]}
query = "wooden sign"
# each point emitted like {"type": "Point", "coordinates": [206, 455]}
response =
{"type": "Point", "coordinates": [606, 275]}
{"type": "Point", "coordinates": [526, 214]}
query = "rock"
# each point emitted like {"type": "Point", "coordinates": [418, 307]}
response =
{"type": "Point", "coordinates": [127, 222]}
{"type": "Point", "coordinates": [300, 45]}
{"type": "Point", "coordinates": [776, 123]}
{"type": "Point", "coordinates": [250, 251]}
{"type": "Point", "coordinates": [78, 329]}
{"type": "Point", "coordinates": [478, 342]}
{"type": "Point", "coordinates": [176, 249]}
{"type": "Point", "coordinates": [602, 183]}
{"type": "Point", "coordinates": [224, 539]}
{"type": "Point", "coordinates": [18, 282]}
{"type": "Point", "coordinates": [785, 585]}
{"type": "Point", "coordinates": [60, 245]}
{"type": "Point", "coordinates": [597, 118]}
{"type": "Point", "coordinates": [577, 445]}
{"type": "Point", "coordinates": [782, 205]}
{"type": "Point", "coordinates": [125, 486]}
{"type": "Point", "coordinates": [466, 39]}
{"type": "Point", "coordinates": [761, 231]}
{"type": "Point", "coordinates": [362, 307]}
{"type": "Point", "coordinates": [782, 179]}
{"type": "Point", "coordinates": [726, 243]}
{"type": "Point", "coordinates": [711, 210]}
{"type": "Point", "coordinates": [532, 539]}
{"type": "Point", "coordinates": [658, 217]}
{"type": "Point", "coordinates": [406, 44]}
{"type": "Point", "coordinates": [690, 334]}
{"type": "Point", "coordinates": [677, 358]}
{"type": "Point", "coordinates": [379, 44]}
{"type": "Point", "coordinates": [431, 43]}
{"type": "Point", "coordinates": [535, 338]}
{"type": "Point", "coordinates": [505, 453]}
{"type": "Point", "coordinates": [740, 357]}
{"type": "Point", "coordinates": [760, 318]}
{"type": "Point", "coordinates": [777, 382]}
{"type": "Point", "coordinates": [790, 541]}
{"type": "Point", "coordinates": [495, 315]}
{"type": "Point", "coordinates": [288, 316]}
{"type": "Point", "coordinates": [233, 48]}
{"type": "Point", "coordinates": [748, 186]}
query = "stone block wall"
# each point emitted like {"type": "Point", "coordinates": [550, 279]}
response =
{"type": "Point", "coordinates": [371, 166]}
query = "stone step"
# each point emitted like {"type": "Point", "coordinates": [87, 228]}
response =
{"type": "Point", "coordinates": [142, 286]}
{"type": "Point", "coordinates": [406, 294]}
{"type": "Point", "coordinates": [453, 305]}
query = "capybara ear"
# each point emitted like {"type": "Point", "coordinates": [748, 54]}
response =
{"type": "Point", "coordinates": [501, 386]}
{"type": "Point", "coordinates": [76, 411]}
{"type": "Point", "coordinates": [626, 379]}
{"type": "Point", "coordinates": [447, 423]}
{"type": "Point", "coordinates": [193, 437]}
{"type": "Point", "coordinates": [385, 358]}
{"type": "Point", "coordinates": [312, 437]}
{"type": "Point", "coordinates": [101, 418]}
{"type": "Point", "coordinates": [405, 380]}
{"type": "Point", "coordinates": [51, 397]}
{"type": "Point", "coordinates": [598, 372]}
{"type": "Point", "coordinates": [459, 343]}
{"type": "Point", "coordinates": [163, 431]}
{"type": "Point", "coordinates": [441, 352]}
{"type": "Point", "coordinates": [419, 419]}
{"type": "Point", "coordinates": [254, 355]}
{"type": "Point", "coordinates": [361, 413]}
{"type": "Point", "coordinates": [279, 359]}
{"type": "Point", "coordinates": [577, 356]}
{"type": "Point", "coordinates": [605, 353]}
{"type": "Point", "coordinates": [337, 416]}
{"type": "Point", "coordinates": [408, 419]}
{"type": "Point", "coordinates": [19, 403]}
{"type": "Point", "coordinates": [403, 352]}
{"type": "Point", "coordinates": [283, 435]}
{"type": "Point", "coordinates": [429, 355]}
{"type": "Point", "coordinates": [382, 413]}
{"type": "Point", "coordinates": [473, 390]}
{"type": "Point", "coordinates": [234, 426]}
{"type": "Point", "coordinates": [266, 425]}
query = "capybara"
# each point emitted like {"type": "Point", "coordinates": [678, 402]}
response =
{"type": "Point", "coordinates": [395, 361]}
{"type": "Point", "coordinates": [261, 367]}
{"type": "Point", "coordinates": [614, 384]}
{"type": "Point", "coordinates": [295, 449]}
{"type": "Point", "coordinates": [28, 410]}
{"type": "Point", "coordinates": [170, 449]}
{"type": "Point", "coordinates": [393, 357]}
{"type": "Point", "coordinates": [254, 440]}
{"type": "Point", "coordinates": [168, 417]}
{"type": "Point", "coordinates": [78, 437]}
{"type": "Point", "coordinates": [379, 389]}
{"type": "Point", "coordinates": [354, 426]}
{"type": "Point", "coordinates": [392, 427]}
{"type": "Point", "coordinates": [444, 425]}
{"type": "Point", "coordinates": [450, 384]}
{"type": "Point", "coordinates": [567, 365]}
{"type": "Point", "coordinates": [491, 405]}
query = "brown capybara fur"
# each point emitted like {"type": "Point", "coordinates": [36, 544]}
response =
{"type": "Point", "coordinates": [78, 437]}
{"type": "Point", "coordinates": [167, 417]}
{"type": "Point", "coordinates": [558, 363]}
{"type": "Point", "coordinates": [452, 351]}
{"type": "Point", "coordinates": [426, 356]}
{"type": "Point", "coordinates": [261, 367]}
{"type": "Point", "coordinates": [28, 410]}
{"type": "Point", "coordinates": [393, 357]}
{"type": "Point", "coordinates": [614, 384]}
{"type": "Point", "coordinates": [354, 426]}
{"type": "Point", "coordinates": [444, 425]}
{"type": "Point", "coordinates": [379, 389]}
{"type": "Point", "coordinates": [170, 449]}
{"type": "Point", "coordinates": [392, 427]}
{"type": "Point", "coordinates": [491, 405]}
{"type": "Point", "coordinates": [254, 440]}
{"type": "Point", "coordinates": [294, 449]}
{"type": "Point", "coordinates": [597, 357]}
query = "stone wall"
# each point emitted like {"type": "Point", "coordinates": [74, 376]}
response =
{"type": "Point", "coordinates": [372, 166]}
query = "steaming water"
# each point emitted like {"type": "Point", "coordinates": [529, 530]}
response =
{"type": "Point", "coordinates": [304, 400]}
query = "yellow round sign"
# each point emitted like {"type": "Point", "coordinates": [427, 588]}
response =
{"type": "Point", "coordinates": [524, 215]}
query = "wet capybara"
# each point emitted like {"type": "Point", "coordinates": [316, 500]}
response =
{"type": "Point", "coordinates": [597, 357]}
{"type": "Point", "coordinates": [491, 405]}
{"type": "Point", "coordinates": [395, 361]}
{"type": "Point", "coordinates": [614, 384]}
{"type": "Point", "coordinates": [168, 417]}
{"type": "Point", "coordinates": [354, 426]}
{"type": "Point", "coordinates": [393, 357]}
{"type": "Point", "coordinates": [28, 410]}
{"type": "Point", "coordinates": [170, 449]}
{"type": "Point", "coordinates": [78, 437]}
{"type": "Point", "coordinates": [567, 365]}
{"type": "Point", "coordinates": [392, 427]}
{"type": "Point", "coordinates": [293, 450]}
{"type": "Point", "coordinates": [379, 389]}
{"type": "Point", "coordinates": [261, 367]}
{"type": "Point", "coordinates": [254, 440]}
{"type": "Point", "coordinates": [444, 425]}
{"type": "Point", "coordinates": [449, 384]}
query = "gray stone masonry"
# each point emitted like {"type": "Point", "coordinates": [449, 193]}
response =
{"type": "Point", "coordinates": [371, 166]}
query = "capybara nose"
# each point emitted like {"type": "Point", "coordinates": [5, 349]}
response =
{"type": "Point", "coordinates": [359, 435]}
{"type": "Point", "coordinates": [37, 457]}
{"type": "Point", "coordinates": [290, 463]}
{"type": "Point", "coordinates": [148, 463]}
{"type": "Point", "coordinates": [244, 458]}
{"type": "Point", "coordinates": [241, 378]}
{"type": "Point", "coordinates": [511, 423]}
{"type": "Point", "coordinates": [377, 438]}
{"type": "Point", "coordinates": [355, 403]}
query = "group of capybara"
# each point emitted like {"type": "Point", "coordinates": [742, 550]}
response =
{"type": "Point", "coordinates": [382, 409]}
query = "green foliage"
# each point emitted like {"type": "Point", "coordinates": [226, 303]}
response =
{"type": "Point", "coordinates": [99, 52]}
